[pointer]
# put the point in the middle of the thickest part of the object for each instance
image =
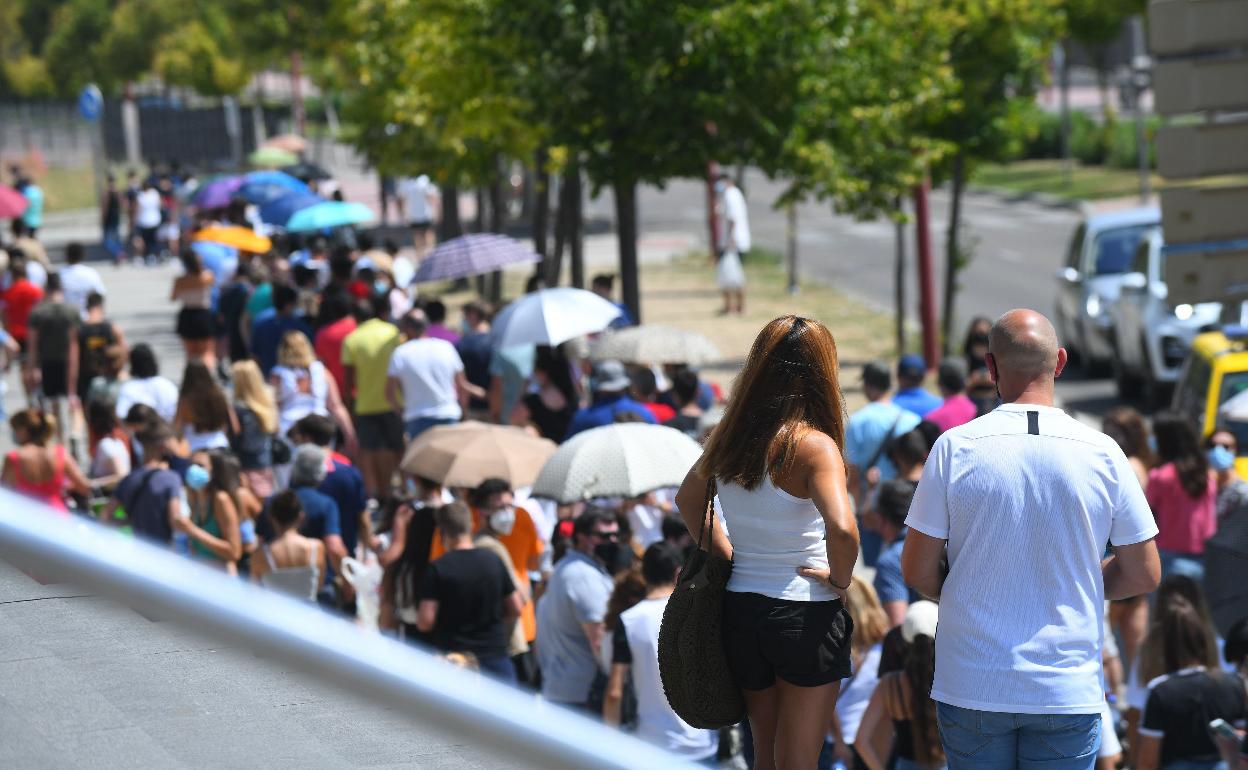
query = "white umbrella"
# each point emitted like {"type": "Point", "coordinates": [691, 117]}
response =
{"type": "Point", "coordinates": [655, 345]}
{"type": "Point", "coordinates": [552, 316]}
{"type": "Point", "coordinates": [622, 460]}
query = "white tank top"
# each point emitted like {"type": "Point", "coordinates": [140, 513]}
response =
{"type": "Point", "coordinates": [300, 392]}
{"type": "Point", "coordinates": [772, 534]}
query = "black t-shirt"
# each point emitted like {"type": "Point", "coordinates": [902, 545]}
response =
{"type": "Point", "coordinates": [474, 350]}
{"type": "Point", "coordinates": [469, 586]}
{"type": "Point", "coordinates": [1181, 706]}
{"type": "Point", "coordinates": [620, 651]}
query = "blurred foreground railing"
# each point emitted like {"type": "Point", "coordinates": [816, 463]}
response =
{"type": "Point", "coordinates": [152, 579]}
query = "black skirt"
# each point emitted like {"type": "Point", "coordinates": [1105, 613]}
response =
{"type": "Point", "coordinates": [196, 323]}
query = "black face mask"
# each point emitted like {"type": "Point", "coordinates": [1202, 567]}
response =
{"type": "Point", "coordinates": [614, 558]}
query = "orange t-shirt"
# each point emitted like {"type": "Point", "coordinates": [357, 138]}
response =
{"type": "Point", "coordinates": [522, 544]}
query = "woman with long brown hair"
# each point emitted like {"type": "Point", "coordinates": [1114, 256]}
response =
{"type": "Point", "coordinates": [1126, 426]}
{"type": "Point", "coordinates": [1183, 494]}
{"type": "Point", "coordinates": [904, 697]}
{"type": "Point", "coordinates": [776, 459]}
{"type": "Point", "coordinates": [204, 416]}
{"type": "Point", "coordinates": [870, 627]}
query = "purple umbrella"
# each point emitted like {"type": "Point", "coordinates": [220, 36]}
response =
{"type": "Point", "coordinates": [218, 192]}
{"type": "Point", "coordinates": [473, 255]}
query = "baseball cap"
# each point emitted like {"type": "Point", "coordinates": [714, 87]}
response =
{"type": "Point", "coordinates": [609, 377]}
{"type": "Point", "coordinates": [911, 366]}
{"type": "Point", "coordinates": [876, 375]}
{"type": "Point", "coordinates": [920, 620]}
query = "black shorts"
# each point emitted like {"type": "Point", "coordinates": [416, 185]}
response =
{"type": "Point", "coordinates": [804, 643]}
{"type": "Point", "coordinates": [196, 323]}
{"type": "Point", "coordinates": [379, 432]}
{"type": "Point", "coordinates": [52, 382]}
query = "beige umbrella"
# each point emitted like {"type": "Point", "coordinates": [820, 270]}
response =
{"type": "Point", "coordinates": [380, 260]}
{"type": "Point", "coordinates": [468, 453]}
{"type": "Point", "coordinates": [654, 345]}
{"type": "Point", "coordinates": [288, 142]}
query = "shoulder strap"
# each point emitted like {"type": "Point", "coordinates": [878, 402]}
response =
{"type": "Point", "coordinates": [268, 557]}
{"type": "Point", "coordinates": [313, 553]}
{"type": "Point", "coordinates": [879, 450]}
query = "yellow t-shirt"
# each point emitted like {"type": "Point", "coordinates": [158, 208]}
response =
{"type": "Point", "coordinates": [367, 350]}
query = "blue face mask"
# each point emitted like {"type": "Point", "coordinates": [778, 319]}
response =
{"type": "Point", "coordinates": [197, 477]}
{"type": "Point", "coordinates": [1221, 459]}
{"type": "Point", "coordinates": [381, 287]}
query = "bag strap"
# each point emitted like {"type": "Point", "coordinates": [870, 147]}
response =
{"type": "Point", "coordinates": [708, 516]}
{"type": "Point", "coordinates": [879, 450]}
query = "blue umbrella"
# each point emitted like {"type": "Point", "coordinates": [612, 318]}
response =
{"type": "Point", "coordinates": [279, 210]}
{"type": "Point", "coordinates": [329, 214]}
{"type": "Point", "coordinates": [261, 187]}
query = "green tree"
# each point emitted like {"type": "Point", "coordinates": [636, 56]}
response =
{"type": "Point", "coordinates": [1095, 24]}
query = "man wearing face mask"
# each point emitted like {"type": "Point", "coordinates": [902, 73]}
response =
{"type": "Point", "coordinates": [521, 630]}
{"type": "Point", "coordinates": [570, 613]}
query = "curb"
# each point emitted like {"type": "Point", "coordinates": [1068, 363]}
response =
{"type": "Point", "coordinates": [1046, 200]}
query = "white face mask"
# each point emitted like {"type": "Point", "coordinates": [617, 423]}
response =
{"type": "Point", "coordinates": [503, 521]}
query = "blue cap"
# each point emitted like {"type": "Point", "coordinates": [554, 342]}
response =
{"type": "Point", "coordinates": [1220, 458]}
{"type": "Point", "coordinates": [911, 366]}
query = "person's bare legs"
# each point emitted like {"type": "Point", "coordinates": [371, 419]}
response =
{"type": "Point", "coordinates": [727, 303]}
{"type": "Point", "coordinates": [761, 707]}
{"type": "Point", "coordinates": [802, 717]}
{"type": "Point", "coordinates": [1130, 617]}
{"type": "Point", "coordinates": [740, 297]}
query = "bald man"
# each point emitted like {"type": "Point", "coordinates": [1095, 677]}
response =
{"type": "Point", "coordinates": [1021, 502]}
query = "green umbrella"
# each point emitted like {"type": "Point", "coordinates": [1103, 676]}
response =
{"type": "Point", "coordinates": [272, 157]}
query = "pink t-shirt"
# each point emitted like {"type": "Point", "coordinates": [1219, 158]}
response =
{"type": "Point", "coordinates": [1184, 522]}
{"type": "Point", "coordinates": [957, 410]}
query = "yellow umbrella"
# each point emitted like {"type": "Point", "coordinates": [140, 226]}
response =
{"type": "Point", "coordinates": [241, 238]}
{"type": "Point", "coordinates": [468, 453]}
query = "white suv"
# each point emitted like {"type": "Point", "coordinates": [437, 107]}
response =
{"type": "Point", "coordinates": [1151, 336]}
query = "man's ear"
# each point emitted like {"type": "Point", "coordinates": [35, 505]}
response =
{"type": "Point", "coordinates": [991, 361]}
{"type": "Point", "coordinates": [1062, 358]}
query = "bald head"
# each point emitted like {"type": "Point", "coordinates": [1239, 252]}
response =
{"type": "Point", "coordinates": [1024, 345]}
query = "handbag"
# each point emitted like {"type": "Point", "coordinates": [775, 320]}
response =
{"type": "Point", "coordinates": [692, 663]}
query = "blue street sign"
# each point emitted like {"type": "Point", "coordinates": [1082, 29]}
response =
{"type": "Point", "coordinates": [90, 103]}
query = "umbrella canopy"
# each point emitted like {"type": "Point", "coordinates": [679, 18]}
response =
{"type": "Point", "coordinates": [288, 142]}
{"type": "Point", "coordinates": [377, 259]}
{"type": "Point", "coordinates": [217, 193]}
{"type": "Point", "coordinates": [279, 210]}
{"type": "Point", "coordinates": [552, 316]}
{"type": "Point", "coordinates": [261, 187]}
{"type": "Point", "coordinates": [272, 157]}
{"type": "Point", "coordinates": [473, 255]}
{"type": "Point", "coordinates": [654, 345]}
{"type": "Point", "coordinates": [241, 238]}
{"type": "Point", "coordinates": [12, 203]}
{"type": "Point", "coordinates": [622, 460]}
{"type": "Point", "coordinates": [222, 260]}
{"type": "Point", "coordinates": [468, 453]}
{"type": "Point", "coordinates": [306, 171]}
{"type": "Point", "coordinates": [329, 214]}
{"type": "Point", "coordinates": [1226, 564]}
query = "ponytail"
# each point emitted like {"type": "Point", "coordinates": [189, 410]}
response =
{"type": "Point", "coordinates": [919, 672]}
{"type": "Point", "coordinates": [40, 427]}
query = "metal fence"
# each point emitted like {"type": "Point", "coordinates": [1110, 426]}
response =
{"type": "Point", "coordinates": [153, 579]}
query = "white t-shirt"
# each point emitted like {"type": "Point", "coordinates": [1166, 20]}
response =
{"type": "Point", "coordinates": [78, 282]}
{"type": "Point", "coordinates": [36, 273]}
{"type": "Point", "coordinates": [111, 456]}
{"type": "Point", "coordinates": [416, 193]}
{"type": "Point", "coordinates": [300, 392]}
{"type": "Point", "coordinates": [157, 392]}
{"type": "Point", "coordinates": [736, 221]}
{"type": "Point", "coordinates": [656, 722]}
{"type": "Point", "coordinates": [1027, 504]}
{"type": "Point", "coordinates": [426, 368]}
{"type": "Point", "coordinates": [147, 208]}
{"type": "Point", "coordinates": [856, 693]}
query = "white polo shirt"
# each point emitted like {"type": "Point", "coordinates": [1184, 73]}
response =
{"type": "Point", "coordinates": [1027, 498]}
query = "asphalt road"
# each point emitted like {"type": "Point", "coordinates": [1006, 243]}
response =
{"type": "Point", "coordinates": [1017, 249]}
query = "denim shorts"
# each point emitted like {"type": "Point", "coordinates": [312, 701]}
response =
{"type": "Point", "coordinates": [990, 739]}
{"type": "Point", "coordinates": [803, 643]}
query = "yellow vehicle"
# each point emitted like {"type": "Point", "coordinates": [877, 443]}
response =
{"type": "Point", "coordinates": [1216, 372]}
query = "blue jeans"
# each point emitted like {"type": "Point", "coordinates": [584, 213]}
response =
{"type": "Point", "coordinates": [987, 739]}
{"type": "Point", "coordinates": [498, 667]}
{"type": "Point", "coordinates": [1175, 563]}
{"type": "Point", "coordinates": [419, 425]}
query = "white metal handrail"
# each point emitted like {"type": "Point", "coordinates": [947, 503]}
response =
{"type": "Point", "coordinates": [144, 576]}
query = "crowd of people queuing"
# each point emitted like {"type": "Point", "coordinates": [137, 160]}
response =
{"type": "Point", "coordinates": [311, 368]}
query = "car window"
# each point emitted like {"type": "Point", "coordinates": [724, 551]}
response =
{"type": "Point", "coordinates": [1114, 250]}
{"type": "Point", "coordinates": [1193, 389]}
{"type": "Point", "coordinates": [1075, 249]}
{"type": "Point", "coordinates": [1234, 383]}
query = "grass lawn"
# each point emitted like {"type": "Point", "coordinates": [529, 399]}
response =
{"type": "Point", "coordinates": [1046, 176]}
{"type": "Point", "coordinates": [68, 189]}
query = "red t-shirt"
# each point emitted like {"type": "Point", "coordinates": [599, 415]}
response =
{"type": "Point", "coordinates": [661, 412]}
{"type": "Point", "coordinates": [329, 349]}
{"type": "Point", "coordinates": [19, 301]}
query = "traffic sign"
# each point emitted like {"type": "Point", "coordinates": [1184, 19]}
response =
{"type": "Point", "coordinates": [90, 103]}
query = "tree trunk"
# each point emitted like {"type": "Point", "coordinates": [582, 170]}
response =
{"type": "Point", "coordinates": [296, 92]}
{"type": "Point", "coordinates": [541, 202]}
{"type": "Point", "coordinates": [451, 225]}
{"type": "Point", "coordinates": [1064, 96]}
{"type": "Point", "coordinates": [626, 230]}
{"type": "Point", "coordinates": [554, 265]}
{"type": "Point", "coordinates": [953, 250]}
{"type": "Point", "coordinates": [576, 224]}
{"type": "Point", "coordinates": [498, 217]}
{"type": "Point", "coordinates": [899, 279]}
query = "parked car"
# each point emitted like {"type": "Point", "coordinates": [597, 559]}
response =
{"type": "Point", "coordinates": [1212, 386]}
{"type": "Point", "coordinates": [1151, 336]}
{"type": "Point", "coordinates": [1101, 253]}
